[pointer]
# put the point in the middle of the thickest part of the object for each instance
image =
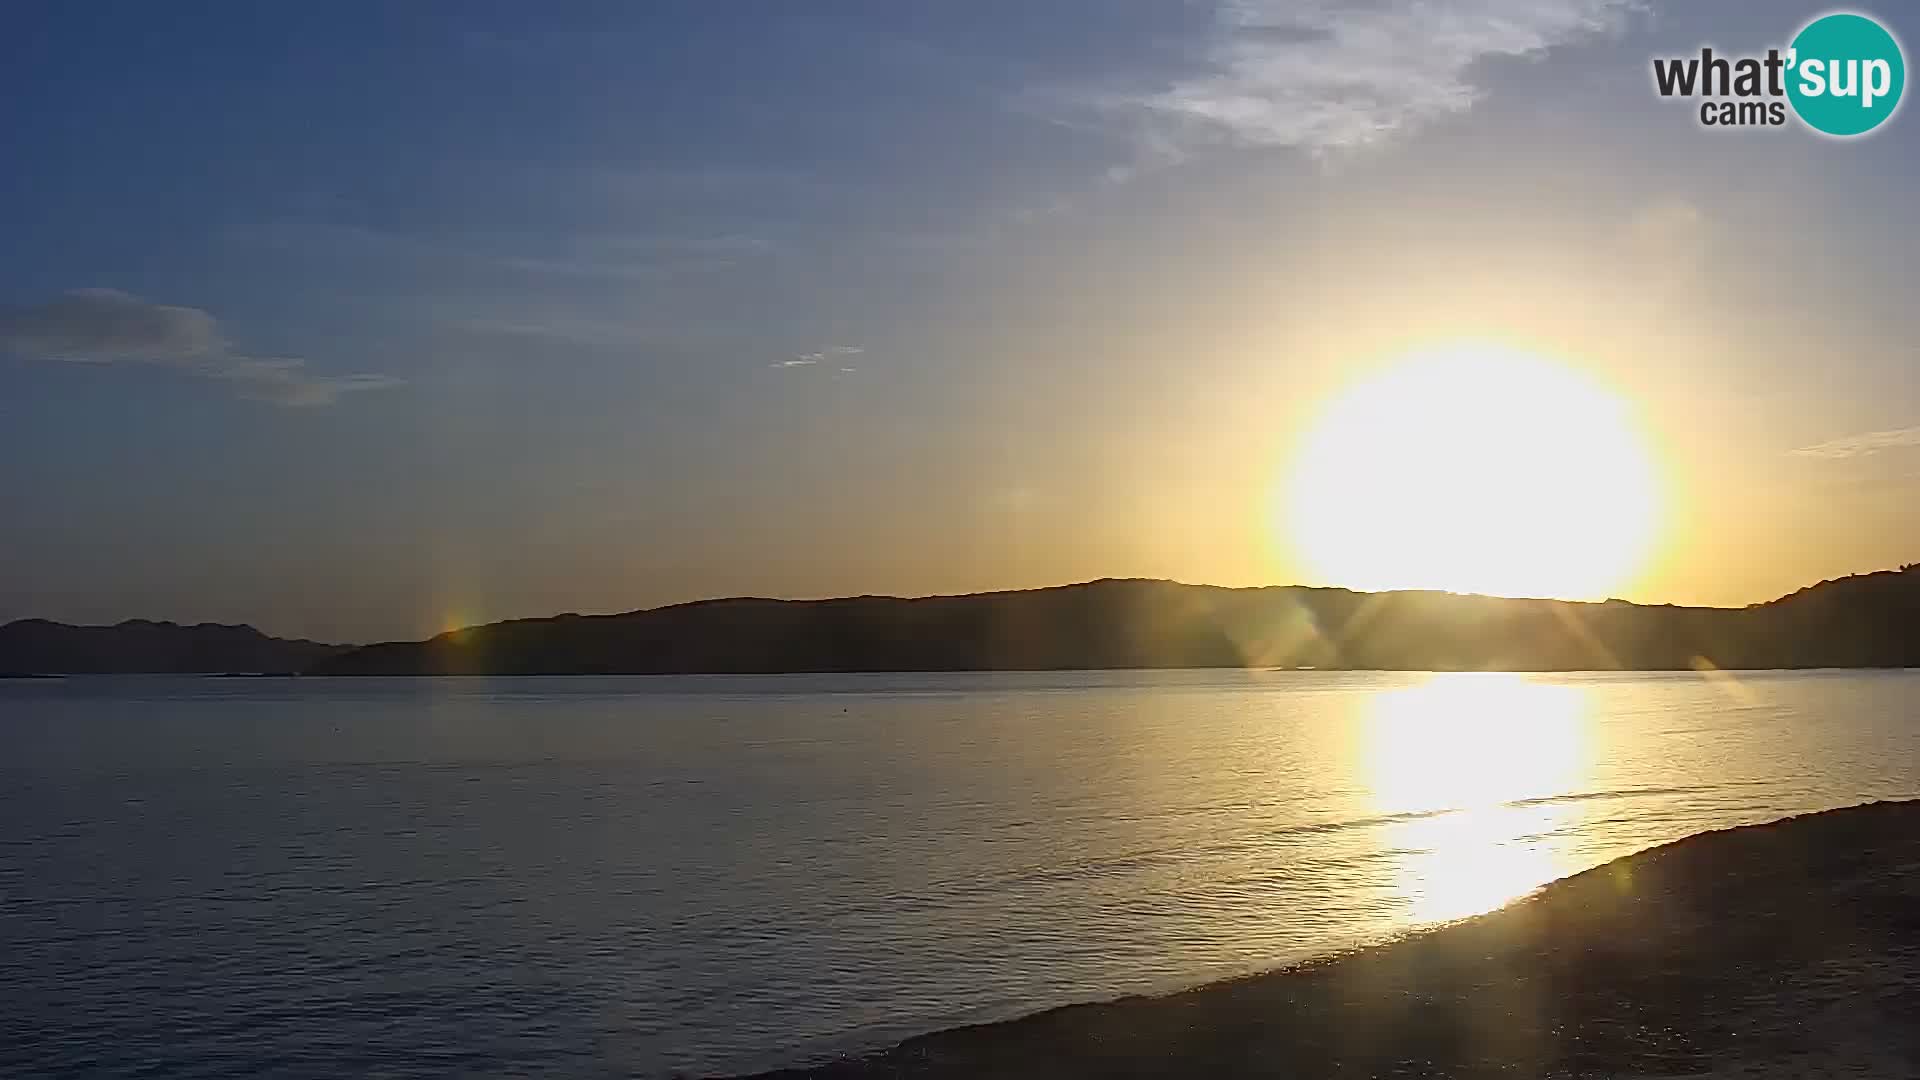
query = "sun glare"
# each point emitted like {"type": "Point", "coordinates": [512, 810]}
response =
{"type": "Point", "coordinates": [1473, 766]}
{"type": "Point", "coordinates": [1475, 469]}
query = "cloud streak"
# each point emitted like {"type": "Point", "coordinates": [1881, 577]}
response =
{"type": "Point", "coordinates": [1863, 444]}
{"type": "Point", "coordinates": [831, 352]}
{"type": "Point", "coordinates": [1324, 76]}
{"type": "Point", "coordinates": [106, 326]}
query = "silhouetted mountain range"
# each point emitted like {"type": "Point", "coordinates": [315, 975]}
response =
{"type": "Point", "coordinates": [39, 647]}
{"type": "Point", "coordinates": [1870, 620]}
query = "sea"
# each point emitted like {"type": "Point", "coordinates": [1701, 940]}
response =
{"type": "Point", "coordinates": [711, 875]}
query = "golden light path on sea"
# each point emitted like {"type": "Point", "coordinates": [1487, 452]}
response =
{"type": "Point", "coordinates": [1470, 765]}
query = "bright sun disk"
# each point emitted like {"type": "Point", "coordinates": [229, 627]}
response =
{"type": "Point", "coordinates": [1475, 469]}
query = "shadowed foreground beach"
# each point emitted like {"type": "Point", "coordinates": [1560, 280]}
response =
{"type": "Point", "coordinates": [1787, 949]}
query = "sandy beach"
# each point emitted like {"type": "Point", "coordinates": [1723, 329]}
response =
{"type": "Point", "coordinates": [1786, 949]}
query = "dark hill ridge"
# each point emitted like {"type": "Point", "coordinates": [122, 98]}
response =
{"type": "Point", "coordinates": [137, 646]}
{"type": "Point", "coordinates": [1870, 620]}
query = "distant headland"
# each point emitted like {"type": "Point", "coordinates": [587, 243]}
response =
{"type": "Point", "coordinates": [143, 647]}
{"type": "Point", "coordinates": [1866, 620]}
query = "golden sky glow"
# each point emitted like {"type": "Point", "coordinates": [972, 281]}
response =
{"type": "Point", "coordinates": [1065, 306]}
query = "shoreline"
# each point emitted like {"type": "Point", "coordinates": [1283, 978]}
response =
{"type": "Point", "coordinates": [1789, 948]}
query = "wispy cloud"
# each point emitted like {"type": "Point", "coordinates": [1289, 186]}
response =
{"type": "Point", "coordinates": [288, 382]}
{"type": "Point", "coordinates": [1321, 75]}
{"type": "Point", "coordinates": [1862, 444]}
{"type": "Point", "coordinates": [106, 326]}
{"type": "Point", "coordinates": [831, 352]}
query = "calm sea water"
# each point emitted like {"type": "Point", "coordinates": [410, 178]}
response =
{"type": "Point", "coordinates": [593, 876]}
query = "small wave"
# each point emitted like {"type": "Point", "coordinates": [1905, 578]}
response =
{"type": "Point", "coordinates": [1122, 863]}
{"type": "Point", "coordinates": [1616, 793]}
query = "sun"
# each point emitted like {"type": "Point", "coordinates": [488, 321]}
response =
{"type": "Point", "coordinates": [1475, 469]}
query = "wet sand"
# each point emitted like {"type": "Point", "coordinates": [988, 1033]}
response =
{"type": "Point", "coordinates": [1787, 949]}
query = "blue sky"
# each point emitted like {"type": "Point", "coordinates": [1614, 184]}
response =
{"type": "Point", "coordinates": [361, 319]}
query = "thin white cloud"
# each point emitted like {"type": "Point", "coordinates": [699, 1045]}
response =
{"type": "Point", "coordinates": [1322, 75]}
{"type": "Point", "coordinates": [106, 326]}
{"type": "Point", "coordinates": [287, 382]}
{"type": "Point", "coordinates": [1862, 444]}
{"type": "Point", "coordinates": [811, 359]}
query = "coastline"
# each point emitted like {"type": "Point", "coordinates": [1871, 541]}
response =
{"type": "Point", "coordinates": [1789, 948]}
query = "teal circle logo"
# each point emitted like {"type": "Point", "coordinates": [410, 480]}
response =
{"type": "Point", "coordinates": [1845, 74]}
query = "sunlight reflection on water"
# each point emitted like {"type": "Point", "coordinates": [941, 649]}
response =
{"type": "Point", "coordinates": [1462, 757]}
{"type": "Point", "coordinates": [709, 875]}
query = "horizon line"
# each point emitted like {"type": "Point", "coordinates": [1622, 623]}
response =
{"type": "Point", "coordinates": [1086, 583]}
